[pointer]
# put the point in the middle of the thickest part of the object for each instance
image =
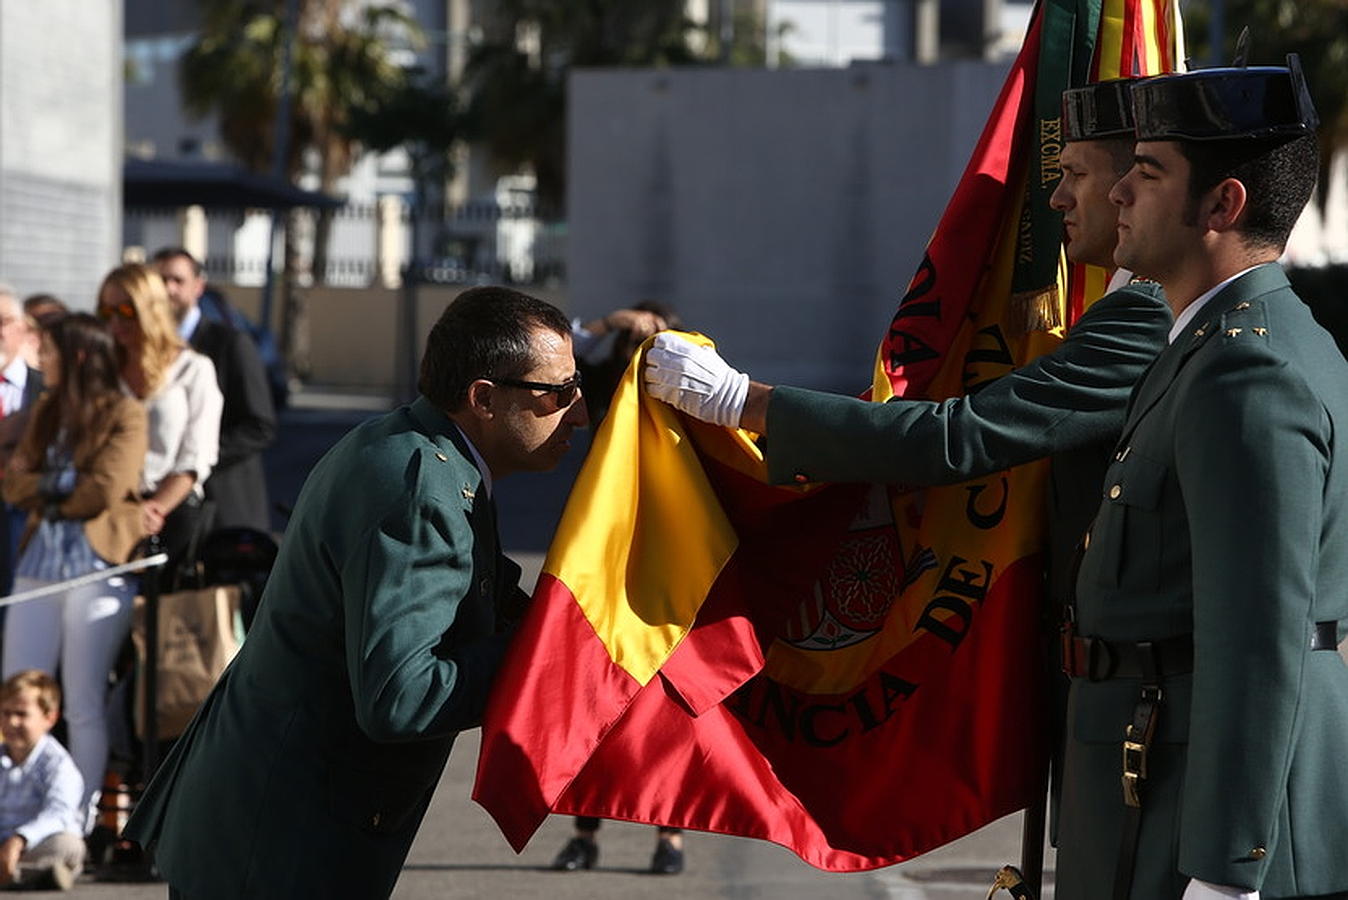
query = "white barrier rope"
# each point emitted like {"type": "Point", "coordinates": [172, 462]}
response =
{"type": "Point", "coordinates": [47, 590]}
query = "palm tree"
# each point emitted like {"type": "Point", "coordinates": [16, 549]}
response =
{"type": "Point", "coordinates": [516, 76]}
{"type": "Point", "coordinates": [343, 60]}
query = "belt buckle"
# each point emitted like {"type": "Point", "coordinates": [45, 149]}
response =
{"type": "Point", "coordinates": [1134, 769]}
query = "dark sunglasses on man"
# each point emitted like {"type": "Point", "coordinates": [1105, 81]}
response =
{"type": "Point", "coordinates": [123, 310]}
{"type": "Point", "coordinates": [565, 393]}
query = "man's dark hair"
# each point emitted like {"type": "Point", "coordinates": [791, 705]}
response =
{"type": "Point", "coordinates": [164, 254]}
{"type": "Point", "coordinates": [1120, 153]}
{"type": "Point", "coordinates": [484, 333]}
{"type": "Point", "coordinates": [1279, 177]}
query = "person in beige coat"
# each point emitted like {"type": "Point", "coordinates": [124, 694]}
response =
{"type": "Point", "coordinates": [76, 472]}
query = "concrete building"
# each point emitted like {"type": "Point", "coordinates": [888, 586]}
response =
{"type": "Point", "coordinates": [60, 146]}
{"type": "Point", "coordinates": [780, 212]}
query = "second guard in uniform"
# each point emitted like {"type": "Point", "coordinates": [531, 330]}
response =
{"type": "Point", "coordinates": [1209, 710]}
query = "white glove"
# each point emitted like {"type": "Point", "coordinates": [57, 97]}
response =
{"type": "Point", "coordinates": [695, 380]}
{"type": "Point", "coordinates": [1201, 890]}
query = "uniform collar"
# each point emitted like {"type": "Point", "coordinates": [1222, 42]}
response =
{"type": "Point", "coordinates": [1184, 318]}
{"type": "Point", "coordinates": [443, 430]}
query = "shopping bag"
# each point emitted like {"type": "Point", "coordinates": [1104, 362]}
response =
{"type": "Point", "coordinates": [199, 633]}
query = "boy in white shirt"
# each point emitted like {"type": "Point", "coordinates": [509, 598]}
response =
{"type": "Point", "coordinates": [41, 827]}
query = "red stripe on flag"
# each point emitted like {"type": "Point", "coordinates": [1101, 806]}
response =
{"type": "Point", "coordinates": [948, 279]}
{"type": "Point", "coordinates": [557, 695]}
{"type": "Point", "coordinates": [847, 782]}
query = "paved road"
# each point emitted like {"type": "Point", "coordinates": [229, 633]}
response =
{"type": "Point", "coordinates": [460, 854]}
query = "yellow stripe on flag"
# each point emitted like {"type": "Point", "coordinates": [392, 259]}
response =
{"type": "Point", "coordinates": [651, 522]}
{"type": "Point", "coordinates": [1109, 51]}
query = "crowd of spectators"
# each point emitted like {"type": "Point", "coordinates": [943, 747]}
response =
{"type": "Point", "coordinates": [137, 428]}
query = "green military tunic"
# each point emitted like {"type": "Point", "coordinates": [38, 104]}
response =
{"type": "Point", "coordinates": [1224, 515]}
{"type": "Point", "coordinates": [1069, 404]}
{"type": "Point", "coordinates": [308, 769]}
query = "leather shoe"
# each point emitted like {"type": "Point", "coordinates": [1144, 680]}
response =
{"type": "Point", "coordinates": [578, 853]}
{"type": "Point", "coordinates": [668, 859]}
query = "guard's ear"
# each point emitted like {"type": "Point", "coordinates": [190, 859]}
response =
{"type": "Point", "coordinates": [481, 397]}
{"type": "Point", "coordinates": [1224, 205]}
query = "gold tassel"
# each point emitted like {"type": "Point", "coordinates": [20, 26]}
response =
{"type": "Point", "coordinates": [1039, 310]}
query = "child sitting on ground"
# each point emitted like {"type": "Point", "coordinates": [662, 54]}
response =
{"type": "Point", "coordinates": [41, 821]}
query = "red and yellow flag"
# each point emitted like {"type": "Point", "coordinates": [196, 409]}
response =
{"type": "Point", "coordinates": [854, 671]}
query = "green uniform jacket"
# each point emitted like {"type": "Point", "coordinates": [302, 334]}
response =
{"type": "Point", "coordinates": [1225, 515]}
{"type": "Point", "coordinates": [308, 769]}
{"type": "Point", "coordinates": [1069, 403]}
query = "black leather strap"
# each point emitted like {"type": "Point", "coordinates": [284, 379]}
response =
{"type": "Point", "coordinates": [1136, 745]}
{"type": "Point", "coordinates": [1100, 660]}
{"type": "Point", "coordinates": [1325, 636]}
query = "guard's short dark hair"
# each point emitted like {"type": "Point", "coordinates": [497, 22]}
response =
{"type": "Point", "coordinates": [484, 333]}
{"type": "Point", "coordinates": [1278, 174]}
{"type": "Point", "coordinates": [164, 254]}
{"type": "Point", "coordinates": [1120, 153]}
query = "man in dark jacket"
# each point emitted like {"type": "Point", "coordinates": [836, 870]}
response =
{"type": "Point", "coordinates": [237, 486]}
{"type": "Point", "coordinates": [308, 769]}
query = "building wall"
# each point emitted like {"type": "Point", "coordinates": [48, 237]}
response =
{"type": "Point", "coordinates": [60, 143]}
{"type": "Point", "coordinates": [780, 212]}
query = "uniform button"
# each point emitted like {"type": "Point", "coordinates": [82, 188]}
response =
{"type": "Point", "coordinates": [1115, 491]}
{"type": "Point", "coordinates": [441, 457]}
{"type": "Point", "coordinates": [801, 478]}
{"type": "Point", "coordinates": [1258, 853]}
{"type": "Point", "coordinates": [374, 821]}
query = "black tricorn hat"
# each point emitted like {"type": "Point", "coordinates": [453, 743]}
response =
{"type": "Point", "coordinates": [1225, 103]}
{"type": "Point", "coordinates": [1101, 110]}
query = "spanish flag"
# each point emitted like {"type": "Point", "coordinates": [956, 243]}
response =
{"type": "Point", "coordinates": [853, 672]}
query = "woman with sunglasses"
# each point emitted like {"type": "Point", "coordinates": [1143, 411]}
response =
{"type": "Point", "coordinates": [76, 472]}
{"type": "Point", "coordinates": [182, 399]}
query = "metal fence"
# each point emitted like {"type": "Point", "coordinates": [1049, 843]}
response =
{"type": "Point", "coordinates": [367, 244]}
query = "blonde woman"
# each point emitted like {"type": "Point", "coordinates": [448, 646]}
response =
{"type": "Point", "coordinates": [181, 398]}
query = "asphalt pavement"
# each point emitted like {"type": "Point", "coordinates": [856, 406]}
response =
{"type": "Point", "coordinates": [459, 853]}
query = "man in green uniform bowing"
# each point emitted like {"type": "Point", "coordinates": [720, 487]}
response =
{"type": "Point", "coordinates": [308, 769]}
{"type": "Point", "coordinates": [1209, 709]}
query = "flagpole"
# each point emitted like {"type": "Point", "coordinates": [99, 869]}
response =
{"type": "Point", "coordinates": [1032, 845]}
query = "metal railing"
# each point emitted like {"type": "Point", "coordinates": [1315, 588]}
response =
{"type": "Point", "coordinates": [370, 243]}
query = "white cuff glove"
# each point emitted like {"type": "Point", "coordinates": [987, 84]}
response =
{"type": "Point", "coordinates": [1201, 890]}
{"type": "Point", "coordinates": [695, 380]}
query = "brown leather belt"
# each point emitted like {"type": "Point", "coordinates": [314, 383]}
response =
{"type": "Point", "coordinates": [1096, 659]}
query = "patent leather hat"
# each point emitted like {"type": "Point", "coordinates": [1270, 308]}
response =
{"type": "Point", "coordinates": [1101, 110]}
{"type": "Point", "coordinates": [1225, 103]}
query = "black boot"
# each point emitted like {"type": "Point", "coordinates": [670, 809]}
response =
{"type": "Point", "coordinates": [579, 853]}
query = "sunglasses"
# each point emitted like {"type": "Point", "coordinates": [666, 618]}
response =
{"type": "Point", "coordinates": [565, 392]}
{"type": "Point", "coordinates": [124, 310]}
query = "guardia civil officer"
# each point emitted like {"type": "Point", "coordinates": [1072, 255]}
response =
{"type": "Point", "coordinates": [1209, 710]}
